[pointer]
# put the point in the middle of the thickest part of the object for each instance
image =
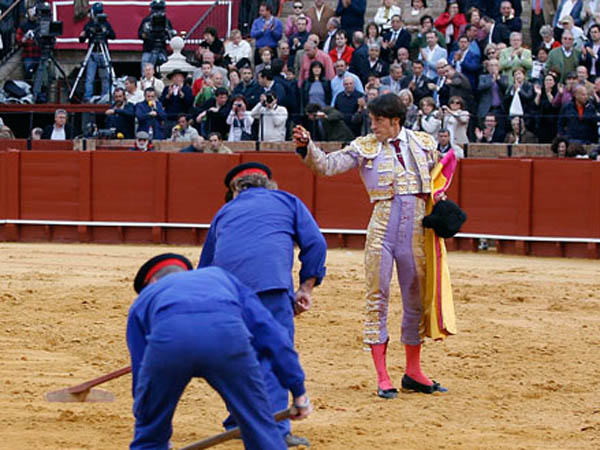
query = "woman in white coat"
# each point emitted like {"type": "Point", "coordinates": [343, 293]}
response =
{"type": "Point", "coordinates": [456, 120]}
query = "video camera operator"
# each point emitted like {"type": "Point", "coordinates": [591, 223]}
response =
{"type": "Point", "coordinates": [97, 31]}
{"type": "Point", "coordinates": [26, 39]}
{"type": "Point", "coordinates": [155, 30]}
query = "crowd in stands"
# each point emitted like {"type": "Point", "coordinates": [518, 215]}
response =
{"type": "Point", "coordinates": [464, 75]}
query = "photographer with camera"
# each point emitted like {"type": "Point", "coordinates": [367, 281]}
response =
{"type": "Point", "coordinates": [121, 115]}
{"type": "Point", "coordinates": [272, 118]}
{"type": "Point", "coordinates": [26, 38]}
{"type": "Point", "coordinates": [183, 132]}
{"type": "Point", "coordinates": [240, 121]}
{"type": "Point", "coordinates": [97, 32]}
{"type": "Point", "coordinates": [155, 30]}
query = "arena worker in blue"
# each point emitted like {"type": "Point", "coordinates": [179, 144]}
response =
{"type": "Point", "coordinates": [253, 236]}
{"type": "Point", "coordinates": [205, 323]}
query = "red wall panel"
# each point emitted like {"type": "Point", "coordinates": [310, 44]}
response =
{"type": "Point", "coordinates": [49, 185]}
{"type": "Point", "coordinates": [289, 172]}
{"type": "Point", "coordinates": [3, 185]}
{"type": "Point", "coordinates": [565, 198]}
{"type": "Point", "coordinates": [195, 186]}
{"type": "Point", "coordinates": [125, 185]}
{"type": "Point", "coordinates": [48, 145]}
{"type": "Point", "coordinates": [341, 201]}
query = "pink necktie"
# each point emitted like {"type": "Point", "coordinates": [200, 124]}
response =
{"type": "Point", "coordinates": [396, 144]}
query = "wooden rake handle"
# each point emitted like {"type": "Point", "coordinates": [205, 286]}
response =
{"type": "Point", "coordinates": [96, 381]}
{"type": "Point", "coordinates": [230, 434]}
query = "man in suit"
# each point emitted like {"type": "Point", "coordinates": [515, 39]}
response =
{"type": "Point", "coordinates": [590, 54]}
{"type": "Point", "coordinates": [352, 15]}
{"type": "Point", "coordinates": [508, 16]}
{"type": "Point", "coordinates": [395, 38]}
{"type": "Point", "coordinates": [460, 86]}
{"type": "Point", "coordinates": [491, 133]}
{"type": "Point", "coordinates": [319, 15]}
{"type": "Point", "coordinates": [418, 84]}
{"type": "Point", "coordinates": [394, 80]}
{"type": "Point", "coordinates": [496, 11]}
{"type": "Point", "coordinates": [466, 61]}
{"type": "Point", "coordinates": [151, 115]}
{"type": "Point", "coordinates": [515, 56]}
{"type": "Point", "coordinates": [431, 54]}
{"type": "Point", "coordinates": [359, 56]}
{"type": "Point", "coordinates": [373, 65]}
{"type": "Point", "coordinates": [492, 88]}
{"type": "Point", "coordinates": [495, 33]}
{"type": "Point", "coordinates": [60, 130]}
{"type": "Point", "coordinates": [328, 44]}
{"type": "Point", "coordinates": [440, 89]}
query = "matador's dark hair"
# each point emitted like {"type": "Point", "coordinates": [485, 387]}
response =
{"type": "Point", "coordinates": [388, 105]}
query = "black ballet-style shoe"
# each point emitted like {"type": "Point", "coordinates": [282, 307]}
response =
{"type": "Point", "coordinates": [410, 384]}
{"type": "Point", "coordinates": [387, 393]}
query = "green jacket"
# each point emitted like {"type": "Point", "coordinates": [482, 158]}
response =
{"type": "Point", "coordinates": [558, 60]}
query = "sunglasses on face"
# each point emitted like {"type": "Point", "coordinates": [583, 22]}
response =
{"type": "Point", "coordinates": [297, 7]}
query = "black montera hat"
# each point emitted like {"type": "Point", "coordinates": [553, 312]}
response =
{"type": "Point", "coordinates": [446, 218]}
{"type": "Point", "coordinates": [153, 265]}
{"type": "Point", "coordinates": [246, 168]}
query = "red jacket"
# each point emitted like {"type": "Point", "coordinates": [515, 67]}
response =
{"type": "Point", "coordinates": [442, 22]}
{"type": "Point", "coordinates": [346, 55]}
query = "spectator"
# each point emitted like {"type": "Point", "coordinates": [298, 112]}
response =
{"type": "Point", "coordinates": [183, 132]}
{"type": "Point", "coordinates": [590, 14]}
{"type": "Point", "coordinates": [566, 8]}
{"type": "Point", "coordinates": [96, 62]}
{"type": "Point", "coordinates": [346, 101]}
{"type": "Point", "coordinates": [566, 92]}
{"type": "Point", "coordinates": [215, 144]}
{"type": "Point", "coordinates": [153, 52]}
{"type": "Point", "coordinates": [582, 80]}
{"type": "Point", "coordinates": [492, 88]}
{"type": "Point", "coordinates": [266, 29]}
{"type": "Point", "coordinates": [337, 83]}
{"type": "Point", "coordinates": [319, 15]}
{"type": "Point", "coordinates": [327, 124]}
{"type": "Point", "coordinates": [206, 56]}
{"type": "Point", "coordinates": [491, 133]}
{"type": "Point", "coordinates": [239, 120]}
{"type": "Point", "coordinates": [450, 21]}
{"type": "Point", "coordinates": [236, 49]}
{"type": "Point", "coordinates": [578, 120]}
{"type": "Point", "coordinates": [266, 56]}
{"type": "Point", "coordinates": [352, 15]}
{"type": "Point", "coordinates": [419, 41]}
{"type": "Point", "coordinates": [214, 44]}
{"type": "Point", "coordinates": [205, 74]}
{"type": "Point", "coordinates": [431, 55]}
{"type": "Point", "coordinates": [495, 10]}
{"type": "Point", "coordinates": [397, 37]}
{"type": "Point", "coordinates": [342, 50]}
{"type": "Point", "coordinates": [519, 134]}
{"type": "Point", "coordinates": [234, 78]}
{"type": "Point", "coordinates": [132, 93]}
{"type": "Point", "coordinates": [508, 17]}
{"type": "Point", "coordinates": [373, 65]}
{"type": "Point", "coordinates": [515, 56]}
{"type": "Point", "coordinates": [412, 110]}
{"type": "Point", "coordinates": [142, 143]}
{"type": "Point", "coordinates": [296, 40]}
{"type": "Point", "coordinates": [149, 80]}
{"type": "Point", "coordinates": [576, 150]}
{"type": "Point", "coordinates": [208, 89]}
{"type": "Point", "coordinates": [316, 89]}
{"type": "Point", "coordinates": [548, 41]}
{"type": "Point", "coordinates": [459, 86]}
{"type": "Point", "coordinates": [30, 56]}
{"type": "Point", "coordinates": [291, 25]}
{"type": "Point", "coordinates": [5, 132]}
{"type": "Point", "coordinates": [121, 115]}
{"type": "Point", "coordinates": [590, 54]}
{"type": "Point", "coordinates": [283, 51]}
{"type": "Point", "coordinates": [403, 58]}
{"type": "Point", "coordinates": [539, 65]}
{"type": "Point", "coordinates": [361, 119]}
{"type": "Point", "coordinates": [428, 117]}
{"type": "Point", "coordinates": [466, 61]}
{"type": "Point", "coordinates": [445, 144]}
{"type": "Point", "coordinates": [36, 134]}
{"type": "Point", "coordinates": [373, 37]}
{"type": "Point", "coordinates": [412, 16]}
{"type": "Point", "coordinates": [541, 13]}
{"type": "Point", "coordinates": [213, 113]}
{"type": "Point", "coordinates": [266, 80]}
{"type": "Point", "coordinates": [559, 146]}
{"type": "Point", "coordinates": [473, 17]}
{"type": "Point", "coordinates": [359, 56]}
{"type": "Point", "coordinates": [333, 26]}
{"type": "Point", "coordinates": [495, 33]}
{"type": "Point", "coordinates": [248, 88]}
{"type": "Point", "coordinates": [564, 59]}
{"type": "Point", "coordinates": [456, 120]}
{"type": "Point", "coordinates": [579, 38]}
{"type": "Point", "coordinates": [151, 115]}
{"type": "Point", "coordinates": [384, 14]}
{"type": "Point", "coordinates": [272, 118]}
{"type": "Point", "coordinates": [197, 145]}
{"type": "Point", "coordinates": [547, 112]}
{"type": "Point", "coordinates": [176, 98]}
{"type": "Point", "coordinates": [60, 130]}
{"type": "Point", "coordinates": [519, 97]}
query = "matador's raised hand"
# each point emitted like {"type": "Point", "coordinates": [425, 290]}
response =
{"type": "Point", "coordinates": [301, 136]}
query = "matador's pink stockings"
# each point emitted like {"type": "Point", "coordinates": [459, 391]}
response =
{"type": "Point", "coordinates": [378, 352]}
{"type": "Point", "coordinates": [413, 364]}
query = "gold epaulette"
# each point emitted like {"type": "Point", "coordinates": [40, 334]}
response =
{"type": "Point", "coordinates": [426, 141]}
{"type": "Point", "coordinates": [367, 146]}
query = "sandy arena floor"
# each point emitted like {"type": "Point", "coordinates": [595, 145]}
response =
{"type": "Point", "coordinates": [523, 371]}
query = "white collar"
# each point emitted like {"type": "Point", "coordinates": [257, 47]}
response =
{"type": "Point", "coordinates": [401, 136]}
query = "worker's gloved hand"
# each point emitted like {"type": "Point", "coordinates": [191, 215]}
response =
{"type": "Point", "coordinates": [301, 408]}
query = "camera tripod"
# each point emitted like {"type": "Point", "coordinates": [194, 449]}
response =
{"type": "Point", "coordinates": [43, 70]}
{"type": "Point", "coordinates": [102, 48]}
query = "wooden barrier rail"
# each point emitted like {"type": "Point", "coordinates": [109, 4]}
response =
{"type": "Point", "coordinates": [130, 197]}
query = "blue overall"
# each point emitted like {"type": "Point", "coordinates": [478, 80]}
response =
{"type": "Point", "coordinates": [205, 323]}
{"type": "Point", "coordinates": [253, 237]}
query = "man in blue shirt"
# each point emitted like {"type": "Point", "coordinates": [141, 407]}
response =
{"type": "Point", "coordinates": [253, 238]}
{"type": "Point", "coordinates": [205, 323]}
{"type": "Point", "coordinates": [266, 29]}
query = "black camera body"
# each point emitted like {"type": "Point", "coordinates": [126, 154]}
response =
{"type": "Point", "coordinates": [269, 98]}
{"type": "Point", "coordinates": [47, 29]}
{"type": "Point", "coordinates": [98, 31]}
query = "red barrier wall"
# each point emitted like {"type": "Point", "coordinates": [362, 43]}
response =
{"type": "Point", "coordinates": [555, 198]}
